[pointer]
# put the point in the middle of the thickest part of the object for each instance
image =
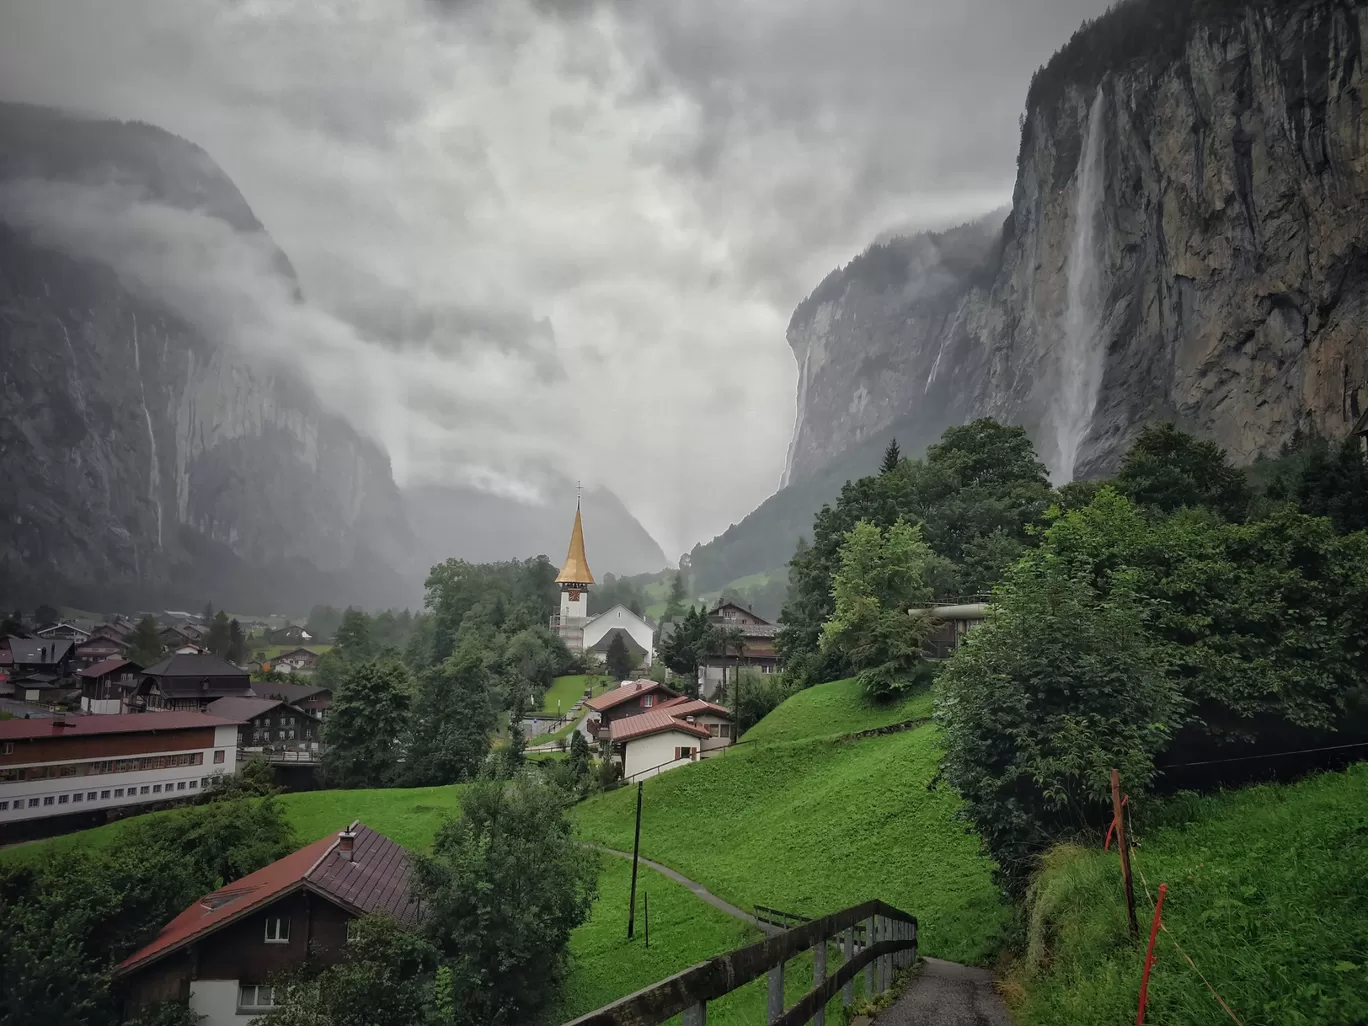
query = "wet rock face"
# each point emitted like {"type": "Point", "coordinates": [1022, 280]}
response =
{"type": "Point", "coordinates": [142, 462]}
{"type": "Point", "coordinates": [1230, 245]}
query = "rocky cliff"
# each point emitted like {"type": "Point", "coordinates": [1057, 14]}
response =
{"type": "Point", "coordinates": [1188, 239]}
{"type": "Point", "coordinates": [144, 463]}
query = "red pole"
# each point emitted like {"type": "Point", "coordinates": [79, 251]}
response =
{"type": "Point", "coordinates": [1149, 958]}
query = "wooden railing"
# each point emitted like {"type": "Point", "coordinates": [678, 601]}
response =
{"type": "Point", "coordinates": [875, 937]}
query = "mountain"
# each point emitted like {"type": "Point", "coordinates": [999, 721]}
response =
{"type": "Point", "coordinates": [1188, 240]}
{"type": "Point", "coordinates": [477, 526]}
{"type": "Point", "coordinates": [144, 463]}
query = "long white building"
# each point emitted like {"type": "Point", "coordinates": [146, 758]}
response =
{"type": "Point", "coordinates": [64, 766]}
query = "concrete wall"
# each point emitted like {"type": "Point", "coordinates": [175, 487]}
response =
{"type": "Point", "coordinates": [654, 754]}
{"type": "Point", "coordinates": [216, 1000]}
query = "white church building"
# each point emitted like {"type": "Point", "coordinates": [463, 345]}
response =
{"type": "Point", "coordinates": [584, 633]}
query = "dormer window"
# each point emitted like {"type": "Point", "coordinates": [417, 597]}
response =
{"type": "Point", "coordinates": [277, 930]}
{"type": "Point", "coordinates": [647, 701]}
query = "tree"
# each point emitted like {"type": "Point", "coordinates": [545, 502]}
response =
{"type": "Point", "coordinates": [1334, 484]}
{"type": "Point", "coordinates": [757, 695]}
{"type": "Point", "coordinates": [517, 741]}
{"type": "Point", "coordinates": [1060, 685]}
{"type": "Point", "coordinates": [365, 725]}
{"type": "Point", "coordinates": [219, 637]}
{"type": "Point", "coordinates": [688, 644]}
{"type": "Point", "coordinates": [579, 758]}
{"type": "Point", "coordinates": [1167, 469]}
{"type": "Point", "coordinates": [729, 640]}
{"type": "Point", "coordinates": [620, 661]}
{"type": "Point", "coordinates": [674, 603]}
{"type": "Point", "coordinates": [45, 615]}
{"type": "Point", "coordinates": [353, 638]}
{"type": "Point", "coordinates": [452, 719]}
{"type": "Point", "coordinates": [883, 574]}
{"type": "Point", "coordinates": [323, 622]}
{"type": "Point", "coordinates": [892, 456]}
{"type": "Point", "coordinates": [503, 889]}
{"type": "Point", "coordinates": [145, 645]}
{"type": "Point", "coordinates": [11, 625]}
{"type": "Point", "coordinates": [237, 643]}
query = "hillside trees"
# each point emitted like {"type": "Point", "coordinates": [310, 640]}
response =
{"type": "Point", "coordinates": [145, 646]}
{"type": "Point", "coordinates": [1167, 470]}
{"type": "Point", "coordinates": [217, 639]}
{"type": "Point", "coordinates": [619, 659]}
{"type": "Point", "coordinates": [365, 725]}
{"type": "Point", "coordinates": [505, 885]}
{"type": "Point", "coordinates": [688, 645]}
{"type": "Point", "coordinates": [882, 574]}
{"type": "Point", "coordinates": [451, 720]}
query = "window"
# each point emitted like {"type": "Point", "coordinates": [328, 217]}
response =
{"type": "Point", "coordinates": [291, 735]}
{"type": "Point", "coordinates": [62, 800]}
{"type": "Point", "coordinates": [77, 797]}
{"type": "Point", "coordinates": [118, 792]}
{"type": "Point", "coordinates": [142, 790]}
{"type": "Point", "coordinates": [104, 795]}
{"type": "Point", "coordinates": [714, 730]}
{"type": "Point", "coordinates": [4, 806]}
{"type": "Point", "coordinates": [647, 701]}
{"type": "Point", "coordinates": [194, 784]}
{"type": "Point", "coordinates": [156, 788]}
{"type": "Point", "coordinates": [277, 930]}
{"type": "Point", "coordinates": [47, 800]}
{"type": "Point", "coordinates": [90, 796]}
{"type": "Point", "coordinates": [351, 930]}
{"type": "Point", "coordinates": [180, 786]}
{"type": "Point", "coordinates": [725, 730]}
{"type": "Point", "coordinates": [33, 803]}
{"type": "Point", "coordinates": [252, 997]}
{"type": "Point", "coordinates": [7, 748]}
{"type": "Point", "coordinates": [282, 734]}
{"type": "Point", "coordinates": [684, 753]}
{"type": "Point", "coordinates": [218, 755]}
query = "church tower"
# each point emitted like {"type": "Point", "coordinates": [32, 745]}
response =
{"type": "Point", "coordinates": [574, 580]}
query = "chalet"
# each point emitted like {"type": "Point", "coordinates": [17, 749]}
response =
{"type": "Point", "coordinates": [61, 766]}
{"type": "Point", "coordinates": [278, 730]}
{"type": "Point", "coordinates": [115, 630]}
{"type": "Point", "coordinates": [297, 660]}
{"type": "Point", "coordinates": [754, 651]}
{"type": "Point", "coordinates": [42, 689]}
{"type": "Point", "coordinates": [107, 686]}
{"type": "Point", "coordinates": [41, 655]}
{"type": "Point", "coordinates": [65, 630]}
{"type": "Point", "coordinates": [192, 682]}
{"type": "Point", "coordinates": [96, 649]}
{"type": "Point", "coordinates": [949, 626]}
{"type": "Point", "coordinates": [175, 637]}
{"type": "Point", "coordinates": [676, 731]}
{"type": "Point", "coordinates": [630, 698]}
{"type": "Point", "coordinates": [312, 699]}
{"type": "Point", "coordinates": [291, 635]}
{"type": "Point", "coordinates": [636, 632]}
{"type": "Point", "coordinates": [222, 954]}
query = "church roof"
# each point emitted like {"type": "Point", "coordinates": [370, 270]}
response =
{"type": "Point", "coordinates": [576, 567]}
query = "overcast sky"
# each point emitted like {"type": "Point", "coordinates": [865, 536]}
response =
{"type": "Point", "coordinates": [559, 232]}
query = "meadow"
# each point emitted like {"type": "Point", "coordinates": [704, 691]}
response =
{"type": "Point", "coordinates": [831, 710]}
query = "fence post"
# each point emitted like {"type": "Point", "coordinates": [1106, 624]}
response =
{"type": "Point", "coordinates": [848, 992]}
{"type": "Point", "coordinates": [872, 969]}
{"type": "Point", "coordinates": [1123, 846]}
{"type": "Point", "coordinates": [886, 961]}
{"type": "Point", "coordinates": [696, 1015]}
{"type": "Point", "coordinates": [776, 993]}
{"type": "Point", "coordinates": [819, 967]}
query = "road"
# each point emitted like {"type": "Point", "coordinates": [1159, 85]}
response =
{"type": "Point", "coordinates": [948, 994]}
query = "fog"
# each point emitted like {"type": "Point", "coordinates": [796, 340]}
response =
{"type": "Point", "coordinates": [539, 235]}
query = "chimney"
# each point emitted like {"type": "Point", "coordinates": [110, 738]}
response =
{"type": "Point", "coordinates": [346, 840]}
{"type": "Point", "coordinates": [59, 720]}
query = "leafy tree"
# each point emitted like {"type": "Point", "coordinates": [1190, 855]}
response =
{"type": "Point", "coordinates": [46, 614]}
{"type": "Point", "coordinates": [517, 741]}
{"type": "Point", "coordinates": [729, 640]}
{"type": "Point", "coordinates": [237, 643]}
{"type": "Point", "coordinates": [255, 778]}
{"type": "Point", "coordinates": [1334, 484]}
{"type": "Point", "coordinates": [688, 644]}
{"type": "Point", "coordinates": [619, 659]}
{"type": "Point", "coordinates": [144, 645]}
{"type": "Point", "coordinates": [353, 638]}
{"type": "Point", "coordinates": [11, 625]}
{"type": "Point", "coordinates": [892, 456]}
{"type": "Point", "coordinates": [1060, 685]}
{"type": "Point", "coordinates": [165, 1013]}
{"type": "Point", "coordinates": [757, 695]}
{"type": "Point", "coordinates": [579, 759]}
{"type": "Point", "coordinates": [612, 591]}
{"type": "Point", "coordinates": [504, 887]}
{"type": "Point", "coordinates": [1167, 469]}
{"type": "Point", "coordinates": [386, 978]}
{"type": "Point", "coordinates": [452, 720]}
{"type": "Point", "coordinates": [882, 575]}
{"type": "Point", "coordinates": [365, 725]}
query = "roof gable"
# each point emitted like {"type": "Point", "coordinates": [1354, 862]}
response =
{"type": "Point", "coordinates": [624, 693]}
{"type": "Point", "coordinates": [654, 721]}
{"type": "Point", "coordinates": [42, 651]}
{"type": "Point", "coordinates": [194, 665]}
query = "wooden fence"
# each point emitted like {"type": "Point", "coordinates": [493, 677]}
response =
{"type": "Point", "coordinates": [875, 937]}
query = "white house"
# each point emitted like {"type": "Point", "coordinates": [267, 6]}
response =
{"type": "Point", "coordinates": [679, 731]}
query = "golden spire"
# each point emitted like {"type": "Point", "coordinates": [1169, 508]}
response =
{"type": "Point", "coordinates": [576, 569]}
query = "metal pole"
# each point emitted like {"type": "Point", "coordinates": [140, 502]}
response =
{"type": "Point", "coordinates": [1122, 844]}
{"type": "Point", "coordinates": [636, 848]}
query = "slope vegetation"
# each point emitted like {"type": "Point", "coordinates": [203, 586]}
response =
{"type": "Point", "coordinates": [1266, 895]}
{"type": "Point", "coordinates": [813, 826]}
{"type": "Point", "coordinates": [830, 710]}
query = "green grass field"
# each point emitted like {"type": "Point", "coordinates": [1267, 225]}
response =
{"type": "Point", "coordinates": [564, 692]}
{"type": "Point", "coordinates": [830, 710]}
{"type": "Point", "coordinates": [1266, 894]}
{"type": "Point", "coordinates": [557, 734]}
{"type": "Point", "coordinates": [816, 826]}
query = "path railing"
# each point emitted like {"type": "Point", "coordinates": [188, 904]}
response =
{"type": "Point", "coordinates": [873, 937]}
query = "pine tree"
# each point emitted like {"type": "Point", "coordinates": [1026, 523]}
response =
{"type": "Point", "coordinates": [145, 646]}
{"type": "Point", "coordinates": [219, 635]}
{"type": "Point", "coordinates": [353, 638]}
{"type": "Point", "coordinates": [208, 613]}
{"type": "Point", "coordinates": [674, 607]}
{"type": "Point", "coordinates": [892, 455]}
{"type": "Point", "coordinates": [620, 661]}
{"type": "Point", "coordinates": [237, 643]}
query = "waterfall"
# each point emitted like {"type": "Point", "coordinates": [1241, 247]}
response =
{"type": "Point", "coordinates": [154, 472]}
{"type": "Point", "coordinates": [1081, 350]}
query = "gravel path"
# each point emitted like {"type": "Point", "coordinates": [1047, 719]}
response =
{"type": "Point", "coordinates": [948, 994]}
{"type": "Point", "coordinates": [696, 888]}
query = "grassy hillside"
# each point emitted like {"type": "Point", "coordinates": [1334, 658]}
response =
{"type": "Point", "coordinates": [568, 690]}
{"type": "Point", "coordinates": [1266, 895]}
{"type": "Point", "coordinates": [830, 710]}
{"type": "Point", "coordinates": [815, 826]}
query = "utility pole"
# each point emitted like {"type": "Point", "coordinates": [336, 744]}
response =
{"type": "Point", "coordinates": [636, 847]}
{"type": "Point", "coordinates": [1124, 846]}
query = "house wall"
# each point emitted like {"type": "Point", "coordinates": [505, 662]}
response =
{"type": "Point", "coordinates": [618, 616]}
{"type": "Point", "coordinates": [708, 721]}
{"type": "Point", "coordinates": [654, 754]}
{"type": "Point", "coordinates": [216, 1000]}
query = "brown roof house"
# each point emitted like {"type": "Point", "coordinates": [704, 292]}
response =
{"type": "Point", "coordinates": [671, 734]}
{"type": "Point", "coordinates": [107, 685]}
{"type": "Point", "coordinates": [192, 682]}
{"type": "Point", "coordinates": [755, 653]}
{"type": "Point", "coordinates": [223, 953]}
{"type": "Point", "coordinates": [297, 660]}
{"type": "Point", "coordinates": [272, 729]}
{"type": "Point", "coordinates": [629, 698]}
{"type": "Point", "coordinates": [309, 697]}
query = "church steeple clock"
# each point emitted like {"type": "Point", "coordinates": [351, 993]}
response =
{"type": "Point", "coordinates": [574, 580]}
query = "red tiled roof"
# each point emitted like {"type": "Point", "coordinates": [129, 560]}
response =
{"type": "Point", "coordinates": [695, 706]}
{"type": "Point", "coordinates": [624, 693]}
{"type": "Point", "coordinates": [375, 879]}
{"type": "Point", "coordinates": [124, 723]}
{"type": "Point", "coordinates": [671, 702]}
{"type": "Point", "coordinates": [654, 721]}
{"type": "Point", "coordinates": [106, 666]}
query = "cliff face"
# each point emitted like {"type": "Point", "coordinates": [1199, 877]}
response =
{"type": "Point", "coordinates": [144, 463]}
{"type": "Point", "coordinates": [1188, 240]}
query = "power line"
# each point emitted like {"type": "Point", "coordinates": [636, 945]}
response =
{"type": "Point", "coordinates": [1266, 755]}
